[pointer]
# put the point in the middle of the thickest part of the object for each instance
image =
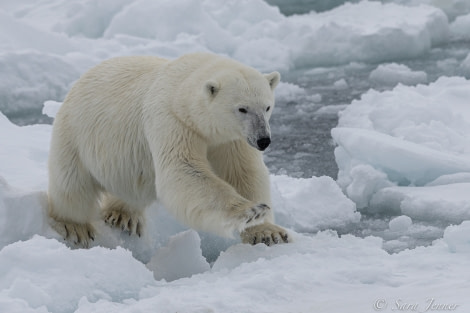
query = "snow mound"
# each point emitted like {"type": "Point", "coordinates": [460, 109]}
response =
{"type": "Point", "coordinates": [400, 224]}
{"type": "Point", "coordinates": [313, 204]}
{"type": "Point", "coordinates": [43, 272]}
{"type": "Point", "coordinates": [406, 151]}
{"type": "Point", "coordinates": [27, 79]}
{"type": "Point", "coordinates": [393, 73]}
{"type": "Point", "coordinates": [181, 258]}
{"type": "Point", "coordinates": [42, 275]}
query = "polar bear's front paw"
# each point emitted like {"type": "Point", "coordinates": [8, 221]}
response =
{"type": "Point", "coordinates": [266, 233]}
{"type": "Point", "coordinates": [126, 221]}
{"type": "Point", "coordinates": [79, 234]}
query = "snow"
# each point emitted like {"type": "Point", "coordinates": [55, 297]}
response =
{"type": "Point", "coordinates": [406, 151]}
{"type": "Point", "coordinates": [330, 273]}
{"type": "Point", "coordinates": [88, 280]}
{"type": "Point", "coordinates": [32, 272]}
{"type": "Point", "coordinates": [393, 73]}
{"type": "Point", "coordinates": [29, 77]}
{"type": "Point", "coordinates": [166, 268]}
{"type": "Point", "coordinates": [403, 155]}
{"type": "Point", "coordinates": [61, 39]}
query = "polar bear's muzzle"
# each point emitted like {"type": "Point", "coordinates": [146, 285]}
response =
{"type": "Point", "coordinates": [257, 130]}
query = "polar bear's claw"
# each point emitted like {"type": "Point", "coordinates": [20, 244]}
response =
{"type": "Point", "coordinates": [81, 235]}
{"type": "Point", "coordinates": [131, 222]}
{"type": "Point", "coordinates": [266, 233]}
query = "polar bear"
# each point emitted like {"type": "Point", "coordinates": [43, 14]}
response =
{"type": "Point", "coordinates": [188, 131]}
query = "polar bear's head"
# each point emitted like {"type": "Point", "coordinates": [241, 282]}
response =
{"type": "Point", "coordinates": [241, 103]}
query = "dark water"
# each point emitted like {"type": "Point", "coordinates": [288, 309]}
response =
{"type": "Point", "coordinates": [290, 7]}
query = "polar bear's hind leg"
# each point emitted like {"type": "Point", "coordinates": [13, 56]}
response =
{"type": "Point", "coordinates": [73, 194]}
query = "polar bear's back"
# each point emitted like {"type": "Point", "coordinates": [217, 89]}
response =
{"type": "Point", "coordinates": [101, 121]}
{"type": "Point", "coordinates": [110, 90]}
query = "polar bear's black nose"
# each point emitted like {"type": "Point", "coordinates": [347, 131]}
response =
{"type": "Point", "coordinates": [263, 143]}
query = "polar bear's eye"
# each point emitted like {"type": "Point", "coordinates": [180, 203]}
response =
{"type": "Point", "coordinates": [268, 108]}
{"type": "Point", "coordinates": [242, 110]}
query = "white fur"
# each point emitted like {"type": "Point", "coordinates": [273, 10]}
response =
{"type": "Point", "coordinates": [134, 128]}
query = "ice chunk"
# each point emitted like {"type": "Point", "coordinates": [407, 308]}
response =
{"type": "Point", "coordinates": [393, 73]}
{"type": "Point", "coordinates": [341, 84]}
{"type": "Point", "coordinates": [330, 109]}
{"type": "Point", "coordinates": [27, 79]}
{"type": "Point", "coordinates": [89, 18]}
{"type": "Point", "coordinates": [460, 28]}
{"type": "Point", "coordinates": [181, 258]}
{"type": "Point", "coordinates": [453, 8]}
{"type": "Point", "coordinates": [450, 179]}
{"type": "Point", "coordinates": [288, 92]}
{"type": "Point", "coordinates": [154, 19]}
{"type": "Point", "coordinates": [344, 39]}
{"type": "Point", "coordinates": [310, 205]}
{"type": "Point", "coordinates": [22, 214]}
{"type": "Point", "coordinates": [25, 164]}
{"type": "Point", "coordinates": [410, 136]}
{"type": "Point", "coordinates": [401, 160]}
{"type": "Point", "coordinates": [364, 182]}
{"type": "Point", "coordinates": [21, 36]}
{"type": "Point", "coordinates": [446, 203]}
{"type": "Point", "coordinates": [51, 107]}
{"type": "Point", "coordinates": [458, 237]}
{"type": "Point", "coordinates": [400, 223]}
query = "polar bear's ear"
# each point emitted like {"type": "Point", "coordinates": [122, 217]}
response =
{"type": "Point", "coordinates": [212, 88]}
{"type": "Point", "coordinates": [273, 79]}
